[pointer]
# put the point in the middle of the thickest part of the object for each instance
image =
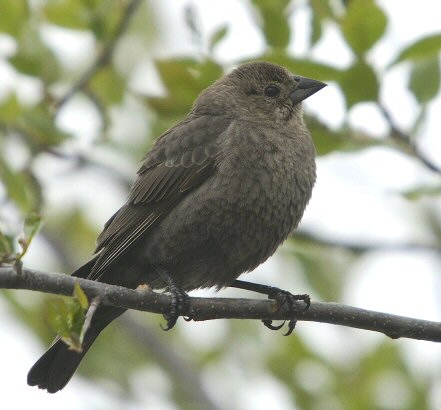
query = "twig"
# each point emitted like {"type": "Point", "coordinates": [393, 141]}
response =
{"type": "Point", "coordinates": [314, 240]}
{"type": "Point", "coordinates": [406, 140]}
{"type": "Point", "coordinates": [393, 326]}
{"type": "Point", "coordinates": [89, 315]}
{"type": "Point", "coordinates": [186, 379]}
{"type": "Point", "coordinates": [104, 57]}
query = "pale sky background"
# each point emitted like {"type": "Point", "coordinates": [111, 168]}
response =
{"type": "Point", "coordinates": [355, 199]}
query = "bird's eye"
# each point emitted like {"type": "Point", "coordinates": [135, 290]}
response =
{"type": "Point", "coordinates": [272, 91]}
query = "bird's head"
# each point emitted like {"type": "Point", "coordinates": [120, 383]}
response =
{"type": "Point", "coordinates": [258, 91]}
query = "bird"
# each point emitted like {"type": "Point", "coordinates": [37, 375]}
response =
{"type": "Point", "coordinates": [214, 197]}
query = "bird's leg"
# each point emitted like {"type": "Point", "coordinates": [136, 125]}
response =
{"type": "Point", "coordinates": [179, 298]}
{"type": "Point", "coordinates": [280, 296]}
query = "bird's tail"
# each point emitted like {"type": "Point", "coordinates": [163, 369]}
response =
{"type": "Point", "coordinates": [56, 367]}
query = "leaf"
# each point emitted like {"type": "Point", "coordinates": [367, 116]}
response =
{"type": "Point", "coordinates": [274, 22]}
{"type": "Point", "coordinates": [66, 318]}
{"type": "Point", "coordinates": [363, 25]}
{"type": "Point", "coordinates": [306, 68]}
{"type": "Point", "coordinates": [81, 236]}
{"type": "Point", "coordinates": [426, 47]}
{"type": "Point", "coordinates": [67, 13]}
{"type": "Point", "coordinates": [13, 16]}
{"type": "Point", "coordinates": [217, 36]}
{"type": "Point", "coordinates": [32, 224]}
{"type": "Point", "coordinates": [423, 191]}
{"type": "Point", "coordinates": [184, 80]}
{"type": "Point", "coordinates": [424, 81]}
{"type": "Point", "coordinates": [108, 85]}
{"type": "Point", "coordinates": [80, 296]}
{"type": "Point", "coordinates": [39, 126]}
{"type": "Point", "coordinates": [7, 254]}
{"type": "Point", "coordinates": [321, 10]}
{"type": "Point", "coordinates": [359, 83]}
{"type": "Point", "coordinates": [9, 109]}
{"type": "Point", "coordinates": [325, 139]}
{"type": "Point", "coordinates": [57, 317]}
{"type": "Point", "coordinates": [34, 58]}
{"type": "Point", "coordinates": [21, 187]}
{"type": "Point", "coordinates": [192, 22]}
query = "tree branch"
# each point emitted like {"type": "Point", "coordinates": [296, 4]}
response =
{"type": "Point", "coordinates": [187, 380]}
{"type": "Point", "coordinates": [405, 139]}
{"type": "Point", "coordinates": [393, 326]}
{"type": "Point", "coordinates": [103, 57]}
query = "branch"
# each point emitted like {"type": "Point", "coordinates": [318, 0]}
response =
{"type": "Point", "coordinates": [315, 240]}
{"type": "Point", "coordinates": [393, 326]}
{"type": "Point", "coordinates": [187, 380]}
{"type": "Point", "coordinates": [104, 57]}
{"type": "Point", "coordinates": [406, 140]}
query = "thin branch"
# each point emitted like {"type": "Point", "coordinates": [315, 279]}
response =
{"type": "Point", "coordinates": [89, 315]}
{"type": "Point", "coordinates": [187, 381]}
{"type": "Point", "coordinates": [311, 239]}
{"type": "Point", "coordinates": [104, 57]}
{"type": "Point", "coordinates": [406, 140]}
{"type": "Point", "coordinates": [393, 326]}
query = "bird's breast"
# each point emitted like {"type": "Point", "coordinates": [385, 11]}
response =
{"type": "Point", "coordinates": [264, 192]}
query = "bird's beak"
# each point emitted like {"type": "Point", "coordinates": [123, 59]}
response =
{"type": "Point", "coordinates": [305, 88]}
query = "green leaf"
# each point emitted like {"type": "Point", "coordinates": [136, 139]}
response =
{"type": "Point", "coordinates": [363, 25]}
{"type": "Point", "coordinates": [359, 83]}
{"type": "Point", "coordinates": [423, 191]}
{"type": "Point", "coordinates": [13, 16]}
{"type": "Point", "coordinates": [108, 85]}
{"type": "Point", "coordinates": [274, 21]}
{"type": "Point", "coordinates": [306, 68]}
{"type": "Point", "coordinates": [81, 297]}
{"type": "Point", "coordinates": [21, 187]}
{"type": "Point", "coordinates": [33, 57]}
{"type": "Point", "coordinates": [321, 10]}
{"type": "Point", "coordinates": [9, 109]}
{"type": "Point", "coordinates": [426, 47]}
{"type": "Point", "coordinates": [7, 253]}
{"type": "Point", "coordinates": [32, 224]}
{"type": "Point", "coordinates": [217, 36]}
{"type": "Point", "coordinates": [81, 236]}
{"type": "Point", "coordinates": [327, 140]}
{"type": "Point", "coordinates": [104, 16]}
{"type": "Point", "coordinates": [71, 14]}
{"type": "Point", "coordinates": [66, 318]}
{"type": "Point", "coordinates": [424, 81]}
{"type": "Point", "coordinates": [38, 125]}
{"type": "Point", "coordinates": [184, 80]}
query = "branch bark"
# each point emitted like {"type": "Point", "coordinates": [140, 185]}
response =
{"type": "Point", "coordinates": [393, 326]}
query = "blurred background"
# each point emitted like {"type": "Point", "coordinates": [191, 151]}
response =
{"type": "Point", "coordinates": [86, 87]}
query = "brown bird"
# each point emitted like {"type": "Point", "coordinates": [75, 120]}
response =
{"type": "Point", "coordinates": [214, 198]}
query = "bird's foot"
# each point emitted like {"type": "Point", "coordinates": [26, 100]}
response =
{"type": "Point", "coordinates": [283, 297]}
{"type": "Point", "coordinates": [179, 304]}
{"type": "Point", "coordinates": [179, 300]}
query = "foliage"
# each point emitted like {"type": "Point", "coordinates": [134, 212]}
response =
{"type": "Point", "coordinates": [35, 127]}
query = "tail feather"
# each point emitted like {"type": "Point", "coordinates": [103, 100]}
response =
{"type": "Point", "coordinates": [56, 367]}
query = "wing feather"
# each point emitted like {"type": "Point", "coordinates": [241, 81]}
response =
{"type": "Point", "coordinates": [166, 176]}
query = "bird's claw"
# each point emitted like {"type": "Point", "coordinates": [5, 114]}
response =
{"type": "Point", "coordinates": [178, 304]}
{"type": "Point", "coordinates": [283, 297]}
{"type": "Point", "coordinates": [291, 325]}
{"type": "Point", "coordinates": [269, 324]}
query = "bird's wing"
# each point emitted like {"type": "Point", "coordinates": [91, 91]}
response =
{"type": "Point", "coordinates": [181, 160]}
